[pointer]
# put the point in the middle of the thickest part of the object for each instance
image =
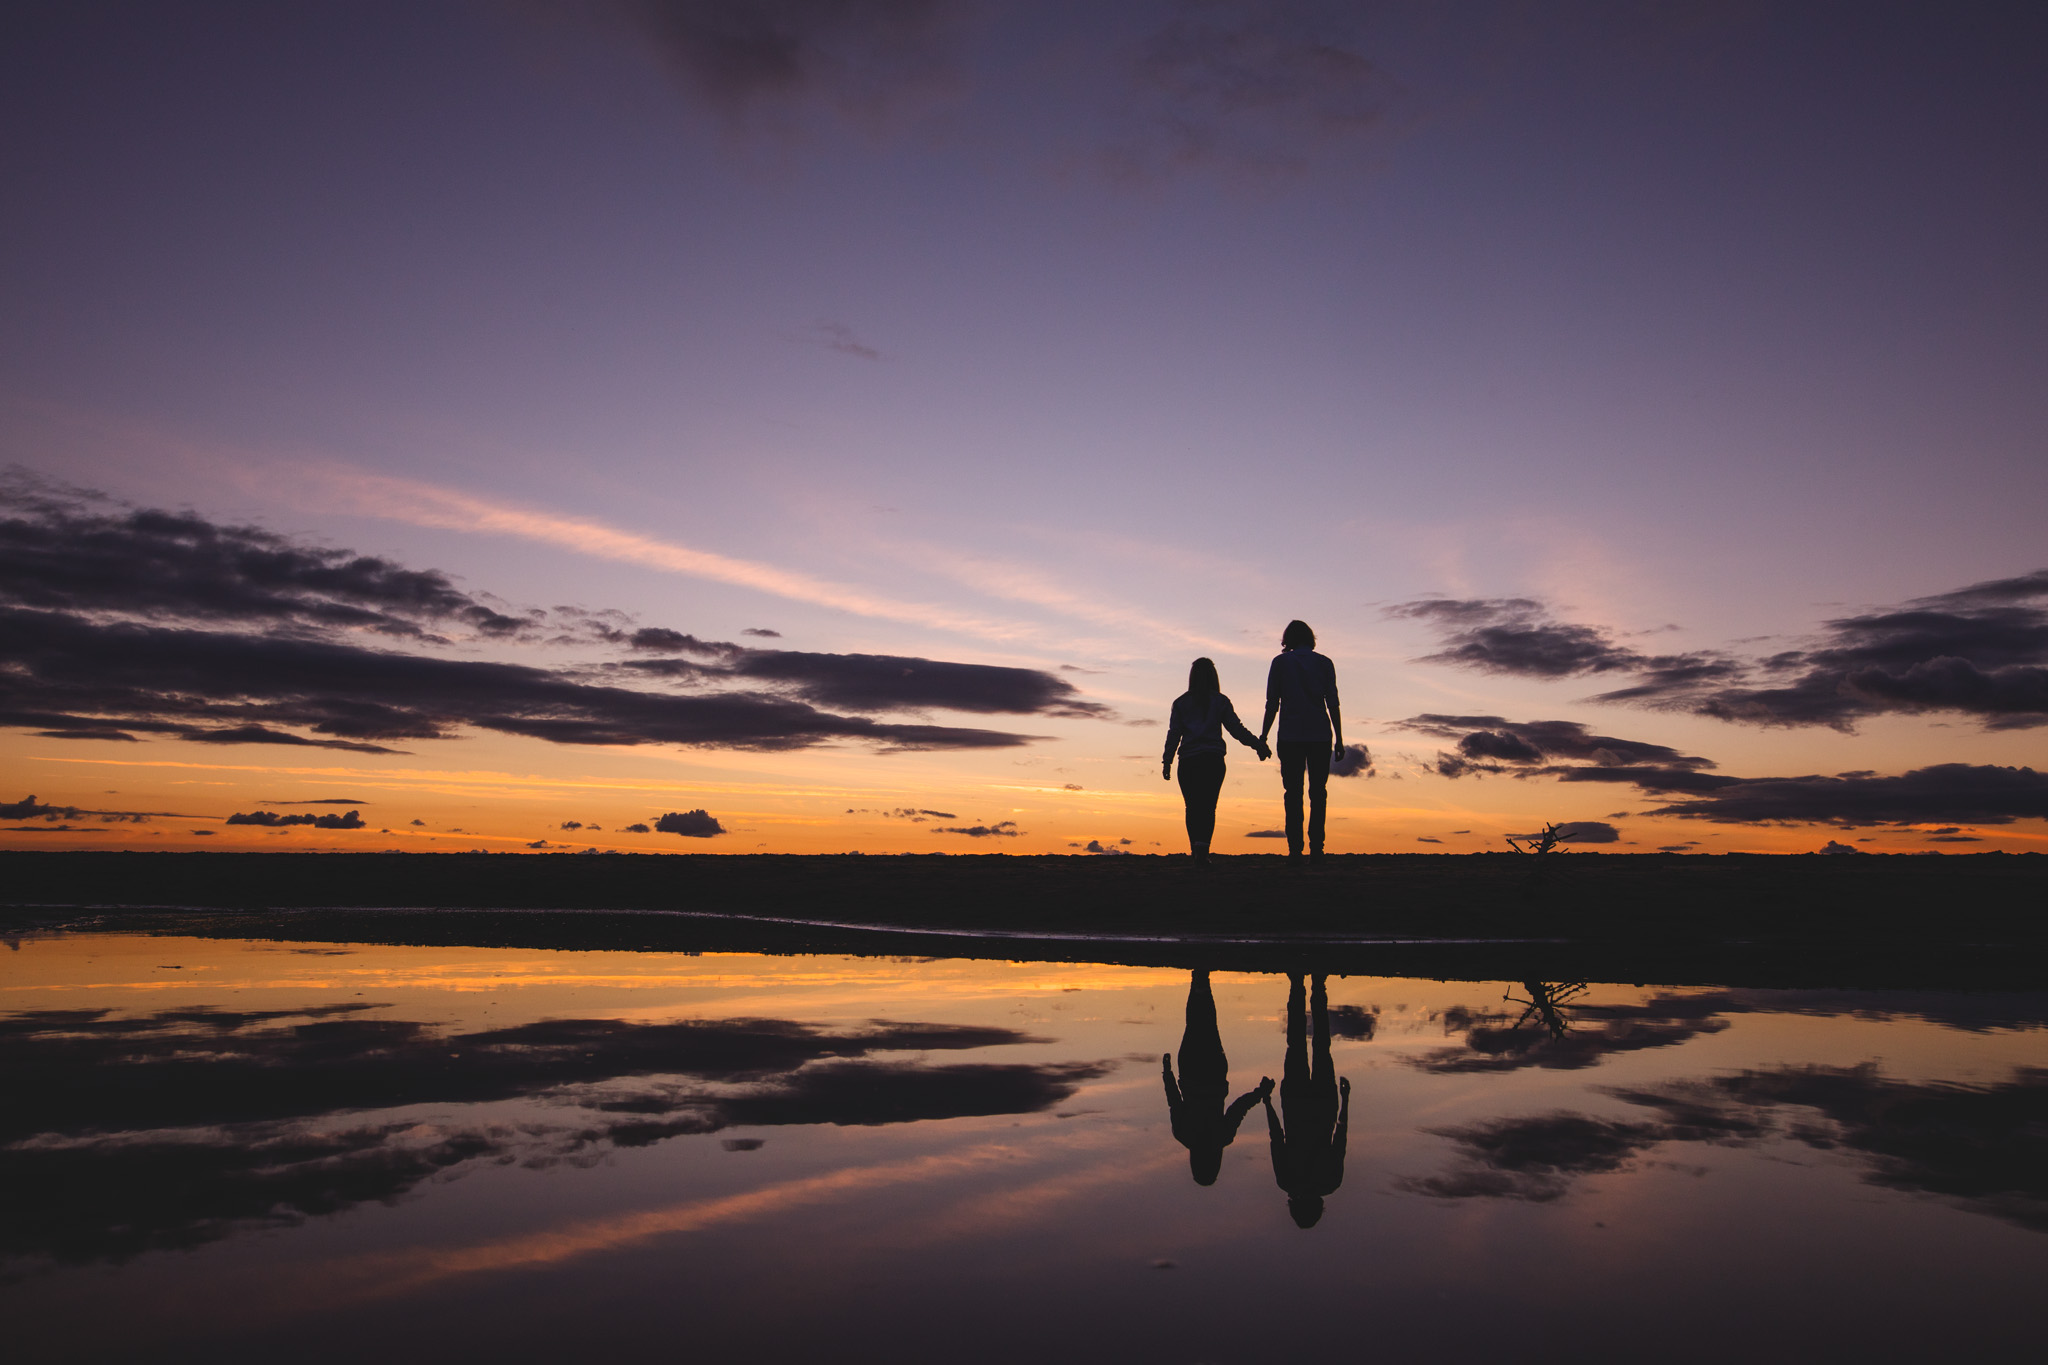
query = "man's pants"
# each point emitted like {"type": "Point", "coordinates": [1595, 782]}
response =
{"type": "Point", "coordinates": [1310, 758]}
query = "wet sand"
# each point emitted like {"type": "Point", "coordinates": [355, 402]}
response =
{"type": "Point", "coordinates": [1872, 920]}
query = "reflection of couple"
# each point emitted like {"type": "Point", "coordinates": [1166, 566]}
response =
{"type": "Point", "coordinates": [1301, 689]}
{"type": "Point", "coordinates": [1308, 1132]}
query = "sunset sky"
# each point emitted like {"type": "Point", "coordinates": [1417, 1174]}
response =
{"type": "Point", "coordinates": [838, 423]}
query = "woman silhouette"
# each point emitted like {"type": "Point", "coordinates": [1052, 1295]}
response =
{"type": "Point", "coordinates": [1204, 1119]}
{"type": "Point", "coordinates": [1200, 716]}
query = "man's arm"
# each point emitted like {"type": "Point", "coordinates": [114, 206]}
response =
{"type": "Point", "coordinates": [1336, 713]}
{"type": "Point", "coordinates": [1272, 698]}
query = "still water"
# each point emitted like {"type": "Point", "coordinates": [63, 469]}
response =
{"type": "Point", "coordinates": [222, 1150]}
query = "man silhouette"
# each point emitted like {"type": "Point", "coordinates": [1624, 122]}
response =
{"type": "Point", "coordinates": [1201, 1123]}
{"type": "Point", "coordinates": [1308, 1147]}
{"type": "Point", "coordinates": [1301, 688]}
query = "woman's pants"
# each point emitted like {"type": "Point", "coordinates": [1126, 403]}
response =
{"type": "Point", "coordinates": [1201, 782]}
{"type": "Point", "coordinates": [1299, 759]}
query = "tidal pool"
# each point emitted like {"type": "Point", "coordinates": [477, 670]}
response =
{"type": "Point", "coordinates": [222, 1149]}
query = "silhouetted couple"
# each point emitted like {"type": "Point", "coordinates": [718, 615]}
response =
{"type": "Point", "coordinates": [1301, 690]}
{"type": "Point", "coordinates": [1307, 1134]}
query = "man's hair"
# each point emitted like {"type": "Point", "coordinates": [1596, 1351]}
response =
{"type": "Point", "coordinates": [1297, 636]}
{"type": "Point", "coordinates": [1202, 679]}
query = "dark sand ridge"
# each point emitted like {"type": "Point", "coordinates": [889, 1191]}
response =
{"type": "Point", "coordinates": [1971, 921]}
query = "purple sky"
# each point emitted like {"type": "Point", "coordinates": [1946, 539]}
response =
{"type": "Point", "coordinates": [1059, 334]}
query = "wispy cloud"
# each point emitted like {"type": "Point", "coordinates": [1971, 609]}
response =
{"type": "Point", "coordinates": [1022, 583]}
{"type": "Point", "coordinates": [429, 505]}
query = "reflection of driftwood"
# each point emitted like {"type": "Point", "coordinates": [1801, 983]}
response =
{"type": "Point", "coordinates": [1548, 1000]}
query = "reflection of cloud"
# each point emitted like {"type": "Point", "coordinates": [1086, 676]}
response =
{"type": "Point", "coordinates": [1595, 1033]}
{"type": "Point", "coordinates": [1983, 1147]}
{"type": "Point", "coordinates": [125, 1135]}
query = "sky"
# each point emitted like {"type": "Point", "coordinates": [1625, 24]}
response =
{"type": "Point", "coordinates": [833, 425]}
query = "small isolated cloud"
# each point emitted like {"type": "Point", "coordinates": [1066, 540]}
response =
{"type": "Point", "coordinates": [637, 829]}
{"type": "Point", "coordinates": [572, 824]}
{"type": "Point", "coordinates": [1266, 834]}
{"type": "Point", "coordinates": [691, 824]}
{"type": "Point", "coordinates": [763, 632]}
{"type": "Point", "coordinates": [270, 819]}
{"type": "Point", "coordinates": [319, 801]}
{"type": "Point", "coordinates": [1005, 830]}
{"type": "Point", "coordinates": [1353, 760]}
{"type": "Point", "coordinates": [1097, 846]}
{"type": "Point", "coordinates": [773, 65]}
{"type": "Point", "coordinates": [1955, 839]}
{"type": "Point", "coordinates": [837, 336]}
{"type": "Point", "coordinates": [202, 833]}
{"type": "Point", "coordinates": [1073, 786]}
{"type": "Point", "coordinates": [541, 843]}
{"type": "Point", "coordinates": [1835, 849]}
{"type": "Point", "coordinates": [1424, 839]}
{"type": "Point", "coordinates": [419, 824]}
{"type": "Point", "coordinates": [1248, 90]}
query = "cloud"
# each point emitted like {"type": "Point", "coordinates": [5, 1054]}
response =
{"type": "Point", "coordinates": [28, 808]}
{"type": "Point", "coordinates": [1553, 748]}
{"type": "Point", "coordinates": [691, 824]}
{"type": "Point", "coordinates": [1587, 832]}
{"type": "Point", "coordinates": [70, 550]}
{"type": "Point", "coordinates": [882, 682]}
{"type": "Point", "coordinates": [837, 336]}
{"type": "Point", "coordinates": [636, 829]}
{"type": "Point", "coordinates": [763, 633]}
{"type": "Point", "coordinates": [238, 636]}
{"type": "Point", "coordinates": [1257, 89]}
{"type": "Point", "coordinates": [270, 819]}
{"type": "Point", "coordinates": [1005, 830]}
{"type": "Point", "coordinates": [320, 801]}
{"type": "Point", "coordinates": [1098, 847]}
{"type": "Point", "coordinates": [1425, 839]}
{"type": "Point", "coordinates": [1978, 794]}
{"type": "Point", "coordinates": [571, 824]}
{"type": "Point", "coordinates": [1980, 651]}
{"type": "Point", "coordinates": [761, 65]}
{"type": "Point", "coordinates": [1266, 834]}
{"type": "Point", "coordinates": [1353, 760]}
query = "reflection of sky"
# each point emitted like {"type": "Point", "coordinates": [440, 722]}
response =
{"type": "Point", "coordinates": [1730, 323]}
{"type": "Point", "coordinates": [551, 1241]}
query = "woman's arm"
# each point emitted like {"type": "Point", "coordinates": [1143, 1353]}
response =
{"type": "Point", "coordinates": [1243, 736]}
{"type": "Point", "coordinates": [1173, 734]}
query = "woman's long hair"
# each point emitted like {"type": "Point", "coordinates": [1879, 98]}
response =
{"type": "Point", "coordinates": [1202, 680]}
{"type": "Point", "coordinates": [1297, 636]}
